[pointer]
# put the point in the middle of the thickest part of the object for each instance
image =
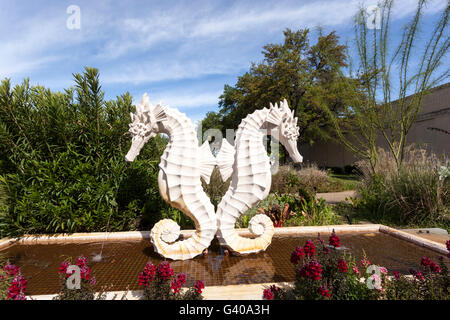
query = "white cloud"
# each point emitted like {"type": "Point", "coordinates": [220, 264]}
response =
{"type": "Point", "coordinates": [184, 100]}
{"type": "Point", "coordinates": [159, 42]}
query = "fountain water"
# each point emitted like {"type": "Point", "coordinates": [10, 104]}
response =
{"type": "Point", "coordinates": [98, 257]}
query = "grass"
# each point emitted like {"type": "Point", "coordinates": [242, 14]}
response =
{"type": "Point", "coordinates": [345, 181]}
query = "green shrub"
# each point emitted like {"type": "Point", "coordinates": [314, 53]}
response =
{"type": "Point", "coordinates": [216, 188]}
{"type": "Point", "coordinates": [415, 194]}
{"type": "Point", "coordinates": [303, 211]}
{"type": "Point", "coordinates": [62, 165]}
{"type": "Point", "coordinates": [288, 180]}
{"type": "Point", "coordinates": [310, 179]}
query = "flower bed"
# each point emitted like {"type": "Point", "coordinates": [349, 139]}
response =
{"type": "Point", "coordinates": [326, 272]}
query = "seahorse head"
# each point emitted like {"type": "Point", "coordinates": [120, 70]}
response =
{"type": "Point", "coordinates": [281, 119]}
{"type": "Point", "coordinates": [144, 125]}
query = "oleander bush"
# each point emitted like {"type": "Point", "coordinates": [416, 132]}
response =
{"type": "Point", "coordinates": [417, 193]}
{"type": "Point", "coordinates": [216, 188]}
{"type": "Point", "coordinates": [62, 162]}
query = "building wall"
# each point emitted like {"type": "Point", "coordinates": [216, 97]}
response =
{"type": "Point", "coordinates": [431, 130]}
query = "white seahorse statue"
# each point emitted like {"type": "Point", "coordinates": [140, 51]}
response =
{"type": "Point", "coordinates": [249, 165]}
{"type": "Point", "coordinates": [182, 164]}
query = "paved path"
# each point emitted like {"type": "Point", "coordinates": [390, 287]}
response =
{"type": "Point", "coordinates": [335, 197]}
{"type": "Point", "coordinates": [433, 234]}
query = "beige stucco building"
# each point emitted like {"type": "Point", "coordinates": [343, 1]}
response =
{"type": "Point", "coordinates": [430, 130]}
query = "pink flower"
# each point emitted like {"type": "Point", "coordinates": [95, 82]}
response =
{"type": "Point", "coordinates": [93, 281]}
{"type": "Point", "coordinates": [355, 269]}
{"type": "Point", "coordinates": [383, 270]}
{"type": "Point", "coordinates": [365, 262]}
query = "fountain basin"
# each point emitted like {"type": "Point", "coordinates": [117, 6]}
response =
{"type": "Point", "coordinates": [126, 253]}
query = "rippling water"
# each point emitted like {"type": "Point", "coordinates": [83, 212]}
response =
{"type": "Point", "coordinates": [122, 261]}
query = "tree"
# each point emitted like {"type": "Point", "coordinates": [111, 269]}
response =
{"type": "Point", "coordinates": [406, 73]}
{"type": "Point", "coordinates": [306, 75]}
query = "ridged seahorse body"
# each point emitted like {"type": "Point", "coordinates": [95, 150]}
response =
{"type": "Point", "coordinates": [250, 184]}
{"type": "Point", "coordinates": [251, 175]}
{"type": "Point", "coordinates": [182, 164]}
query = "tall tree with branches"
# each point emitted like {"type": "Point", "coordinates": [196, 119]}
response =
{"type": "Point", "coordinates": [391, 81]}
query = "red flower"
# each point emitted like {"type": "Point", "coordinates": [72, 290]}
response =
{"type": "Point", "coordinates": [434, 267]}
{"type": "Point", "coordinates": [16, 290]}
{"type": "Point", "coordinates": [268, 294]}
{"type": "Point", "coordinates": [309, 248]}
{"type": "Point", "coordinates": [85, 272]}
{"type": "Point", "coordinates": [199, 285]}
{"type": "Point", "coordinates": [312, 270]}
{"type": "Point", "coordinates": [324, 291]}
{"type": "Point", "coordinates": [425, 261]}
{"type": "Point", "coordinates": [334, 240]}
{"type": "Point", "coordinates": [175, 286]}
{"type": "Point", "coordinates": [165, 271]}
{"type": "Point", "coordinates": [178, 282]}
{"type": "Point", "coordinates": [63, 267]}
{"type": "Point", "coordinates": [11, 269]}
{"type": "Point", "coordinates": [342, 265]}
{"type": "Point", "coordinates": [297, 255]}
{"type": "Point", "coordinates": [397, 275]}
{"type": "Point", "coordinates": [417, 274]}
{"type": "Point", "coordinates": [82, 262]}
{"type": "Point", "coordinates": [181, 278]}
{"type": "Point", "coordinates": [365, 262]}
{"type": "Point", "coordinates": [147, 276]}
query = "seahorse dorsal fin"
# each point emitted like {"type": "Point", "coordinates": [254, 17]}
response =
{"type": "Point", "coordinates": [207, 161]}
{"type": "Point", "coordinates": [225, 160]}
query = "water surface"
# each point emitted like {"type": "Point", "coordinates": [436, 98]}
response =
{"type": "Point", "coordinates": [122, 261]}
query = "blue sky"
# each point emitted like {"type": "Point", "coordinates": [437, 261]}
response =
{"type": "Point", "coordinates": [180, 52]}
